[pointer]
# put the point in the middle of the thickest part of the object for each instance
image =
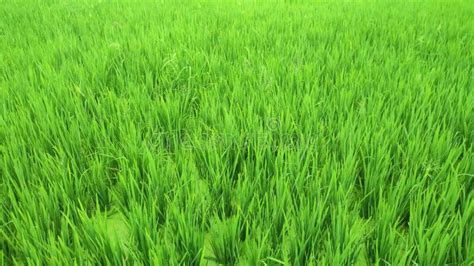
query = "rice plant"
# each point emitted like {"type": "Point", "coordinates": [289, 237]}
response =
{"type": "Point", "coordinates": [236, 132]}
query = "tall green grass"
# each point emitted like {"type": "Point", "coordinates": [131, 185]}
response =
{"type": "Point", "coordinates": [236, 132]}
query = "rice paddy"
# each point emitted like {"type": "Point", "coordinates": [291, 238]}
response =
{"type": "Point", "coordinates": [262, 132]}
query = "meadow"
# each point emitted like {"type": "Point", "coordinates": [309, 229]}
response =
{"type": "Point", "coordinates": [252, 132]}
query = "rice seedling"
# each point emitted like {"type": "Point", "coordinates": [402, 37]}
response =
{"type": "Point", "coordinates": [236, 132]}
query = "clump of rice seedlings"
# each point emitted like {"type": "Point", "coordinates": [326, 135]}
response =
{"type": "Point", "coordinates": [240, 132]}
{"type": "Point", "coordinates": [225, 241]}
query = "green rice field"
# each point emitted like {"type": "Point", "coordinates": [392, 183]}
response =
{"type": "Point", "coordinates": [251, 132]}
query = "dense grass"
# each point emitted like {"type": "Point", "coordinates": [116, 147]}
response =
{"type": "Point", "coordinates": [236, 132]}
